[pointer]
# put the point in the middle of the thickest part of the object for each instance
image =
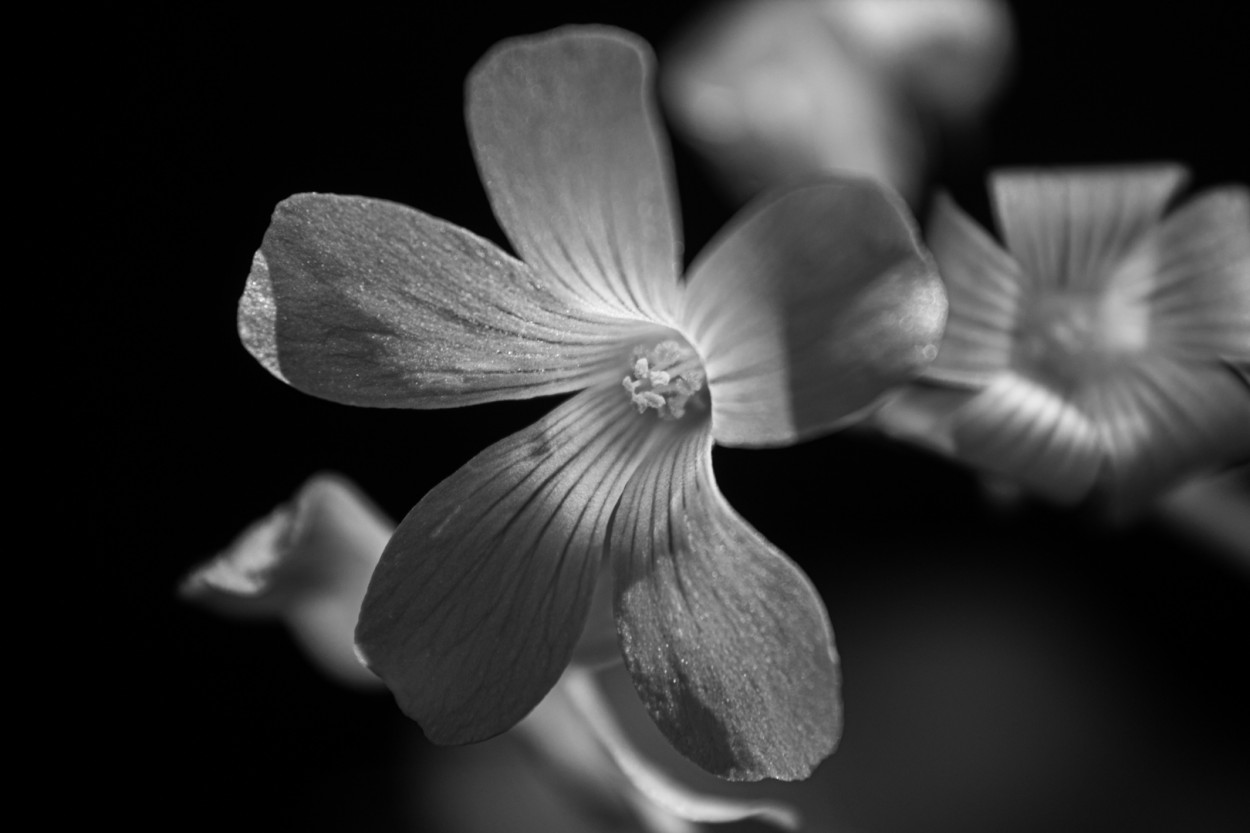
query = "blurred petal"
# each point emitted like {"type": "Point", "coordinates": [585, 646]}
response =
{"type": "Point", "coordinates": [1162, 419]}
{"type": "Point", "coordinates": [1024, 430]}
{"type": "Point", "coordinates": [808, 308]}
{"type": "Point", "coordinates": [309, 563]}
{"type": "Point", "coordinates": [726, 640]}
{"type": "Point", "coordinates": [570, 150]}
{"type": "Point", "coordinates": [923, 414]}
{"type": "Point", "coordinates": [1069, 229]}
{"type": "Point", "coordinates": [482, 593]}
{"type": "Point", "coordinates": [652, 784]}
{"type": "Point", "coordinates": [983, 285]}
{"type": "Point", "coordinates": [1193, 275]}
{"type": "Point", "coordinates": [771, 94]}
{"type": "Point", "coordinates": [368, 302]}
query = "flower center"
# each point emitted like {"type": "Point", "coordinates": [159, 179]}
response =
{"type": "Point", "coordinates": [1073, 337]}
{"type": "Point", "coordinates": [667, 377]}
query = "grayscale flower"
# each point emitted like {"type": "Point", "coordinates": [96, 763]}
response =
{"type": "Point", "coordinates": [790, 324]}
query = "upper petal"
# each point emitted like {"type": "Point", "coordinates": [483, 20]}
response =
{"type": "Point", "coordinates": [983, 285]}
{"type": "Point", "coordinates": [1069, 229]}
{"type": "Point", "coordinates": [368, 302]}
{"type": "Point", "coordinates": [483, 591]}
{"type": "Point", "coordinates": [1192, 276]}
{"type": "Point", "coordinates": [808, 307]}
{"type": "Point", "coordinates": [727, 641]}
{"type": "Point", "coordinates": [569, 147]}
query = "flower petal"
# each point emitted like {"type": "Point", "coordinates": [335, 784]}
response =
{"type": "Point", "coordinates": [1069, 229]}
{"type": "Point", "coordinates": [483, 591]}
{"type": "Point", "coordinates": [983, 284]}
{"type": "Point", "coordinates": [569, 146]}
{"type": "Point", "coordinates": [1025, 430]}
{"type": "Point", "coordinates": [1193, 277]}
{"type": "Point", "coordinates": [308, 563]}
{"type": "Point", "coordinates": [1162, 419]}
{"type": "Point", "coordinates": [727, 641]}
{"type": "Point", "coordinates": [368, 302]}
{"type": "Point", "coordinates": [809, 307]}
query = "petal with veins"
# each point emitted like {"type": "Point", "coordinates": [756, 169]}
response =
{"type": "Point", "coordinates": [1023, 429]}
{"type": "Point", "coordinates": [1069, 229]}
{"type": "Point", "coordinates": [570, 151]}
{"type": "Point", "coordinates": [726, 640]}
{"type": "Point", "coordinates": [482, 593]}
{"type": "Point", "coordinates": [808, 308]}
{"type": "Point", "coordinates": [1193, 275]}
{"type": "Point", "coordinates": [983, 285]}
{"type": "Point", "coordinates": [368, 302]}
{"type": "Point", "coordinates": [1162, 419]}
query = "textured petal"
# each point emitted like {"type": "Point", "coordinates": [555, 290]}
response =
{"type": "Point", "coordinates": [1026, 431]}
{"type": "Point", "coordinates": [308, 563]}
{"type": "Point", "coordinates": [372, 303]}
{"type": "Point", "coordinates": [1193, 277]}
{"type": "Point", "coordinates": [483, 591]}
{"type": "Point", "coordinates": [808, 308]}
{"type": "Point", "coordinates": [1071, 228]}
{"type": "Point", "coordinates": [727, 641]}
{"type": "Point", "coordinates": [569, 146]}
{"type": "Point", "coordinates": [1162, 419]}
{"type": "Point", "coordinates": [649, 782]}
{"type": "Point", "coordinates": [983, 285]}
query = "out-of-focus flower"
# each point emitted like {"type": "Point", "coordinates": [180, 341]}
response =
{"type": "Point", "coordinates": [789, 325]}
{"type": "Point", "coordinates": [771, 91]}
{"type": "Point", "coordinates": [1108, 349]}
{"type": "Point", "coordinates": [307, 563]}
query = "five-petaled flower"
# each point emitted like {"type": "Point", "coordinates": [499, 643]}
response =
{"type": "Point", "coordinates": [1109, 350]}
{"type": "Point", "coordinates": [793, 322]}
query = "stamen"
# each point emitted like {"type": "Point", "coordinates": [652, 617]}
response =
{"type": "Point", "coordinates": [668, 378]}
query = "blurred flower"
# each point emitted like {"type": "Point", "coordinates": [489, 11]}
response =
{"type": "Point", "coordinates": [1108, 348]}
{"type": "Point", "coordinates": [307, 563]}
{"type": "Point", "coordinates": [771, 91]}
{"type": "Point", "coordinates": [789, 325]}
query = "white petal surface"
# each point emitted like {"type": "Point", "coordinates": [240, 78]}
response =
{"type": "Point", "coordinates": [483, 591]}
{"type": "Point", "coordinates": [726, 640]}
{"type": "Point", "coordinates": [1193, 277]}
{"type": "Point", "coordinates": [569, 146]}
{"type": "Point", "coordinates": [808, 307]}
{"type": "Point", "coordinates": [983, 287]}
{"type": "Point", "coordinates": [1162, 419]}
{"type": "Point", "coordinates": [1027, 431]}
{"type": "Point", "coordinates": [1069, 229]}
{"type": "Point", "coordinates": [368, 302]}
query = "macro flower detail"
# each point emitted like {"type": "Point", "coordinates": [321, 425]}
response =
{"type": "Point", "coordinates": [1106, 348]}
{"type": "Point", "coordinates": [791, 323]}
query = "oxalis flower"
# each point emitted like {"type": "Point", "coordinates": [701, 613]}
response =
{"type": "Point", "coordinates": [1106, 349]}
{"type": "Point", "coordinates": [790, 324]}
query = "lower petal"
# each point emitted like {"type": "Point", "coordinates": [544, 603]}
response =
{"type": "Point", "coordinates": [727, 641]}
{"type": "Point", "coordinates": [1026, 431]}
{"type": "Point", "coordinates": [483, 591]}
{"type": "Point", "coordinates": [1162, 419]}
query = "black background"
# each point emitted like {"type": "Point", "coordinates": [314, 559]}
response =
{"type": "Point", "coordinates": [1006, 668]}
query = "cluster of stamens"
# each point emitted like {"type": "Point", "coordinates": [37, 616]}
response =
{"type": "Point", "coordinates": [668, 378]}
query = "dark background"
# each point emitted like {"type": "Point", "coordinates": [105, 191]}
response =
{"type": "Point", "coordinates": [1016, 668]}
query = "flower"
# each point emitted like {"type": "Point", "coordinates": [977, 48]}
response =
{"type": "Point", "coordinates": [1108, 349]}
{"type": "Point", "coordinates": [788, 325]}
